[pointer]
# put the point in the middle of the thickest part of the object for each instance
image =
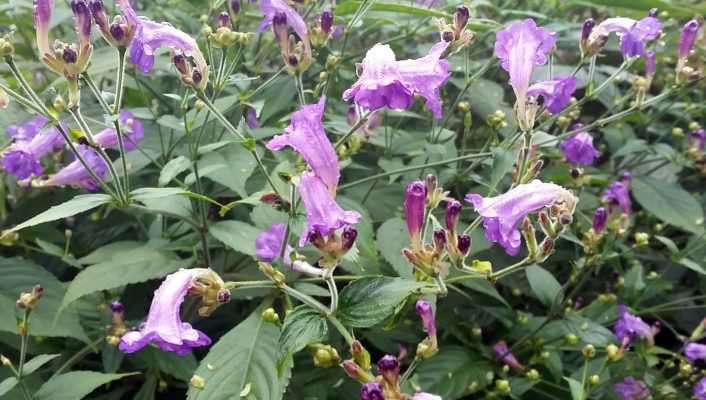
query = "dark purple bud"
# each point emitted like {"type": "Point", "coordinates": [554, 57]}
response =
{"type": "Point", "coordinates": [431, 183]}
{"type": "Point", "coordinates": [415, 200]}
{"type": "Point", "coordinates": [280, 27]}
{"type": "Point", "coordinates": [453, 213]}
{"type": "Point", "coordinates": [235, 6]}
{"type": "Point", "coordinates": [687, 38]}
{"type": "Point", "coordinates": [224, 20]}
{"type": "Point", "coordinates": [586, 29]}
{"type": "Point", "coordinates": [653, 12]}
{"type": "Point", "coordinates": [600, 217]}
{"type": "Point", "coordinates": [180, 63]}
{"type": "Point", "coordinates": [348, 237]}
{"type": "Point", "coordinates": [371, 391]}
{"type": "Point", "coordinates": [463, 244]}
{"type": "Point", "coordinates": [578, 302]}
{"type": "Point", "coordinates": [439, 239]}
{"type": "Point", "coordinates": [82, 19]}
{"type": "Point", "coordinates": [117, 307]}
{"type": "Point", "coordinates": [223, 296]}
{"type": "Point", "coordinates": [447, 36]}
{"type": "Point", "coordinates": [389, 368]}
{"type": "Point", "coordinates": [69, 55]}
{"type": "Point", "coordinates": [315, 238]}
{"type": "Point", "coordinates": [98, 12]}
{"type": "Point", "coordinates": [426, 313]}
{"type": "Point", "coordinates": [461, 17]}
{"type": "Point", "coordinates": [566, 218]}
{"type": "Point", "coordinates": [196, 77]}
{"type": "Point", "coordinates": [626, 177]}
{"type": "Point", "coordinates": [326, 21]}
{"type": "Point", "coordinates": [650, 63]}
{"type": "Point", "coordinates": [293, 60]}
{"type": "Point", "coordinates": [117, 31]}
{"type": "Point", "coordinates": [251, 118]}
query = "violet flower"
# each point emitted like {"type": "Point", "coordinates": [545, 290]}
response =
{"type": "Point", "coordinates": [323, 214]}
{"type": "Point", "coordinates": [618, 195]}
{"type": "Point", "coordinates": [452, 215]}
{"type": "Point", "coordinates": [22, 159]}
{"type": "Point", "coordinates": [629, 326]}
{"type": "Point", "coordinates": [426, 313]}
{"type": "Point", "coordinates": [251, 118]}
{"type": "Point", "coordinates": [389, 367]}
{"type": "Point", "coordinates": [600, 218]}
{"type": "Point", "coordinates": [687, 38]}
{"type": "Point", "coordinates": [502, 214]}
{"type": "Point", "coordinates": [270, 8]}
{"type": "Point", "coordinates": [697, 138]}
{"type": "Point", "coordinates": [306, 135]}
{"type": "Point", "coordinates": [415, 200]}
{"type": "Point", "coordinates": [502, 352]}
{"type": "Point", "coordinates": [578, 149]}
{"type": "Point", "coordinates": [371, 391]}
{"type": "Point", "coordinates": [634, 35]}
{"type": "Point", "coordinates": [700, 389]}
{"type": "Point", "coordinates": [28, 130]}
{"type": "Point", "coordinates": [74, 174]}
{"type": "Point", "coordinates": [556, 93]}
{"type": "Point", "coordinates": [132, 130]}
{"type": "Point", "coordinates": [164, 326]}
{"type": "Point", "coordinates": [632, 389]}
{"type": "Point", "coordinates": [385, 82]}
{"type": "Point", "coordinates": [695, 351]}
{"type": "Point", "coordinates": [268, 245]}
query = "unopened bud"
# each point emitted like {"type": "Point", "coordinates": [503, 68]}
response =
{"type": "Point", "coordinates": [594, 379]}
{"type": "Point", "coordinates": [431, 183]}
{"type": "Point", "coordinates": [224, 20]}
{"type": "Point", "coordinates": [613, 352]}
{"type": "Point", "coordinates": [197, 382]}
{"type": "Point", "coordinates": [589, 351]}
{"type": "Point", "coordinates": [532, 374]}
{"type": "Point", "coordinates": [463, 106]}
{"type": "Point", "coordinates": [571, 339]}
{"type": "Point", "coordinates": [326, 21]}
{"type": "Point", "coordinates": [5, 361]}
{"type": "Point", "coordinates": [503, 386]}
{"type": "Point", "coordinates": [439, 240]}
{"type": "Point", "coordinates": [270, 315]}
{"type": "Point", "coordinates": [463, 243]}
{"type": "Point", "coordinates": [360, 355]}
{"type": "Point", "coordinates": [485, 267]}
{"type": "Point", "coordinates": [642, 239]}
{"type": "Point", "coordinates": [59, 104]}
{"type": "Point", "coordinates": [325, 356]}
{"type": "Point", "coordinates": [461, 17]}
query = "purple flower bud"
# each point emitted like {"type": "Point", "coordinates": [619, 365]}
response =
{"type": "Point", "coordinates": [180, 63]}
{"type": "Point", "coordinates": [700, 389]}
{"type": "Point", "coordinates": [414, 205]}
{"type": "Point", "coordinates": [426, 313]}
{"type": "Point", "coordinates": [235, 6]}
{"type": "Point", "coordinates": [600, 217]}
{"type": "Point", "coordinates": [431, 183]}
{"type": "Point", "coordinates": [650, 63]}
{"type": "Point", "coordinates": [447, 36]}
{"type": "Point", "coordinates": [586, 29]}
{"type": "Point", "coordinates": [463, 243]}
{"type": "Point", "coordinates": [653, 12]}
{"type": "Point", "coordinates": [42, 18]}
{"type": "Point", "coordinates": [389, 368]}
{"type": "Point", "coordinates": [632, 389]}
{"type": "Point", "coordinates": [461, 17]}
{"type": "Point", "coordinates": [251, 118]}
{"type": "Point", "coordinates": [626, 177]}
{"type": "Point", "coordinates": [280, 27]}
{"type": "Point", "coordinates": [348, 237]}
{"type": "Point", "coordinates": [503, 353]}
{"type": "Point", "coordinates": [688, 37]}
{"type": "Point", "coordinates": [99, 14]}
{"type": "Point", "coordinates": [117, 32]}
{"type": "Point", "coordinates": [223, 296]}
{"type": "Point", "coordinates": [196, 77]}
{"type": "Point", "coordinates": [326, 21]}
{"type": "Point", "coordinates": [371, 391]}
{"type": "Point", "coordinates": [439, 239]}
{"type": "Point", "coordinates": [82, 17]}
{"type": "Point", "coordinates": [117, 307]}
{"type": "Point", "coordinates": [453, 212]}
{"type": "Point", "coordinates": [69, 55]}
{"type": "Point", "coordinates": [224, 20]}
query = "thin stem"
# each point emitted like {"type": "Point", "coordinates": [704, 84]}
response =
{"type": "Point", "coordinates": [353, 129]}
{"type": "Point", "coordinates": [264, 84]}
{"type": "Point", "coordinates": [119, 89]}
{"type": "Point", "coordinates": [24, 343]}
{"type": "Point", "coordinates": [21, 99]}
{"type": "Point", "coordinates": [333, 290]}
{"type": "Point", "coordinates": [510, 269]}
{"type": "Point", "coordinates": [78, 356]}
{"type": "Point", "coordinates": [409, 370]}
{"type": "Point", "coordinates": [300, 88]}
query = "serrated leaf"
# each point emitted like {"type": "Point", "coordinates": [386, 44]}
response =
{"type": "Point", "coordinates": [392, 237]}
{"type": "Point", "coordinates": [75, 385]}
{"type": "Point", "coordinates": [72, 207]}
{"type": "Point", "coordinates": [302, 326]}
{"type": "Point", "coordinates": [37, 362]}
{"type": "Point", "coordinates": [245, 356]}
{"type": "Point", "coordinates": [237, 235]}
{"type": "Point", "coordinates": [669, 202]}
{"type": "Point", "coordinates": [369, 301]}
{"type": "Point", "coordinates": [461, 369]}
{"type": "Point", "coordinates": [174, 167]}
{"type": "Point", "coordinates": [138, 265]}
{"type": "Point", "coordinates": [544, 285]}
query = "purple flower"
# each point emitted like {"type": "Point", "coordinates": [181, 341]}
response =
{"type": "Point", "coordinates": [687, 38]}
{"type": "Point", "coordinates": [371, 391]}
{"type": "Point", "coordinates": [23, 158]}
{"type": "Point", "coordinates": [578, 149]}
{"type": "Point", "coordinates": [698, 138]}
{"type": "Point", "coordinates": [42, 17]}
{"type": "Point", "coordinates": [695, 351]}
{"type": "Point", "coordinates": [700, 389]}
{"type": "Point", "coordinates": [415, 200]}
{"type": "Point", "coordinates": [600, 217]}
{"type": "Point", "coordinates": [502, 214]}
{"type": "Point", "coordinates": [502, 352]}
{"type": "Point", "coordinates": [386, 82]}
{"type": "Point", "coordinates": [631, 389]}
{"type": "Point", "coordinates": [453, 212]}
{"type": "Point", "coordinates": [306, 135]}
{"type": "Point", "coordinates": [268, 244]}
{"type": "Point", "coordinates": [132, 130]}
{"type": "Point", "coordinates": [82, 20]}
{"type": "Point", "coordinates": [74, 174]}
{"type": "Point", "coordinates": [634, 35]}
{"type": "Point", "coordinates": [618, 194]}
{"type": "Point", "coordinates": [27, 130]}
{"type": "Point", "coordinates": [556, 93]}
{"type": "Point", "coordinates": [164, 327]}
{"type": "Point", "coordinates": [21, 164]}
{"type": "Point", "coordinates": [629, 326]}
{"type": "Point", "coordinates": [270, 8]}
{"type": "Point", "coordinates": [323, 214]}
{"type": "Point", "coordinates": [251, 118]}
{"type": "Point", "coordinates": [389, 367]}
{"type": "Point", "coordinates": [426, 313]}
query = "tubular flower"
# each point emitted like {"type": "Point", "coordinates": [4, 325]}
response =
{"type": "Point", "coordinates": [164, 326]}
{"type": "Point", "coordinates": [578, 149]}
{"type": "Point", "coordinates": [22, 159]}
{"type": "Point", "coordinates": [600, 218]}
{"type": "Point", "coordinates": [279, 15]}
{"type": "Point", "coordinates": [556, 93]}
{"type": "Point", "coordinates": [632, 389]}
{"type": "Point", "coordinates": [502, 352]}
{"type": "Point", "coordinates": [700, 389]}
{"type": "Point", "coordinates": [695, 352]}
{"type": "Point", "coordinates": [634, 34]}
{"type": "Point", "coordinates": [119, 32]}
{"type": "Point", "coordinates": [686, 42]}
{"type": "Point", "coordinates": [415, 200]}
{"type": "Point", "coordinates": [28, 130]}
{"type": "Point", "coordinates": [132, 131]}
{"type": "Point", "coordinates": [268, 245]}
{"type": "Point", "coordinates": [74, 174]}
{"type": "Point", "coordinates": [502, 214]}
{"type": "Point", "coordinates": [618, 195]}
{"type": "Point", "coordinates": [270, 8]}
{"type": "Point", "coordinates": [629, 326]}
{"type": "Point", "coordinates": [429, 346]}
{"type": "Point", "coordinates": [306, 135]}
{"type": "Point", "coordinates": [384, 82]}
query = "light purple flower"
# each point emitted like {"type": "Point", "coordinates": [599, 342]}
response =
{"type": "Point", "coordinates": [268, 244]}
{"type": "Point", "coordinates": [386, 82]}
{"type": "Point", "coordinates": [270, 8]}
{"type": "Point", "coordinates": [502, 352]}
{"type": "Point", "coordinates": [306, 135]}
{"type": "Point", "coordinates": [452, 215]}
{"type": "Point", "coordinates": [600, 217]}
{"type": "Point", "coordinates": [700, 389]}
{"type": "Point", "coordinates": [688, 37]}
{"type": "Point", "coordinates": [695, 351]}
{"type": "Point", "coordinates": [578, 149]}
{"type": "Point", "coordinates": [132, 130]}
{"type": "Point", "coordinates": [698, 138]}
{"type": "Point", "coordinates": [82, 20]}
{"type": "Point", "coordinates": [74, 174]}
{"type": "Point", "coordinates": [502, 214]}
{"type": "Point", "coordinates": [415, 200]}
{"type": "Point", "coordinates": [634, 35]}
{"type": "Point", "coordinates": [631, 389]}
{"type": "Point", "coordinates": [251, 118]}
{"type": "Point", "coordinates": [164, 327]}
{"type": "Point", "coordinates": [425, 396]}
{"type": "Point", "coordinates": [426, 313]}
{"type": "Point", "coordinates": [28, 130]}
{"type": "Point", "coordinates": [323, 214]}
{"type": "Point", "coordinates": [371, 391]}
{"type": "Point", "coordinates": [629, 326]}
{"type": "Point", "coordinates": [618, 195]}
{"type": "Point", "coordinates": [23, 158]}
{"type": "Point", "coordinates": [556, 93]}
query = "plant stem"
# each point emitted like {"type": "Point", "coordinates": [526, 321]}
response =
{"type": "Point", "coordinates": [78, 356]}
{"type": "Point", "coordinates": [311, 302]}
{"type": "Point", "coordinates": [332, 288]}
{"type": "Point", "coordinates": [24, 339]}
{"type": "Point", "coordinates": [353, 129]}
{"type": "Point", "coordinates": [119, 89]}
{"type": "Point", "coordinates": [510, 269]}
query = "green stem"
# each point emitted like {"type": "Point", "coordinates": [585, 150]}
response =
{"type": "Point", "coordinates": [24, 343]}
{"type": "Point", "coordinates": [313, 303]}
{"type": "Point", "coordinates": [78, 356]}
{"type": "Point", "coordinates": [510, 269]}
{"type": "Point", "coordinates": [351, 131]}
{"type": "Point", "coordinates": [410, 369]}
{"type": "Point", "coordinates": [21, 99]}
{"type": "Point", "coordinates": [119, 89]}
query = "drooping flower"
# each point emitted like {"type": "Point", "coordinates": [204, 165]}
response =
{"type": "Point", "coordinates": [687, 38]}
{"type": "Point", "coordinates": [634, 35]}
{"type": "Point", "coordinates": [268, 245]}
{"type": "Point", "coordinates": [371, 391]}
{"type": "Point", "coordinates": [629, 326]}
{"type": "Point", "coordinates": [695, 351]}
{"type": "Point", "coordinates": [132, 130]}
{"type": "Point", "coordinates": [556, 93]}
{"type": "Point", "coordinates": [502, 214]}
{"type": "Point", "coordinates": [270, 8]}
{"type": "Point", "coordinates": [323, 214]}
{"type": "Point", "coordinates": [618, 195]}
{"type": "Point", "coordinates": [700, 389]}
{"type": "Point", "coordinates": [414, 208]}
{"type": "Point", "coordinates": [164, 326]}
{"type": "Point", "coordinates": [22, 159]}
{"type": "Point", "coordinates": [426, 312]}
{"type": "Point", "coordinates": [74, 174]}
{"type": "Point", "coordinates": [578, 149]}
{"type": "Point", "coordinates": [632, 389]}
{"type": "Point", "coordinates": [502, 352]}
{"type": "Point", "coordinates": [385, 82]}
{"type": "Point", "coordinates": [306, 135]}
{"type": "Point", "coordinates": [28, 130]}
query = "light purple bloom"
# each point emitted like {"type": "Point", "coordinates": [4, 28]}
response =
{"type": "Point", "coordinates": [629, 326]}
{"type": "Point", "coordinates": [634, 35]}
{"type": "Point", "coordinates": [27, 130]}
{"type": "Point", "coordinates": [700, 389]}
{"type": "Point", "coordinates": [306, 135]}
{"type": "Point", "coordinates": [695, 351]}
{"type": "Point", "coordinates": [426, 313]}
{"type": "Point", "coordinates": [556, 93]}
{"type": "Point", "coordinates": [74, 174]}
{"type": "Point", "coordinates": [323, 214]}
{"type": "Point", "coordinates": [164, 327]}
{"type": "Point", "coordinates": [502, 352]}
{"type": "Point", "coordinates": [270, 8]}
{"type": "Point", "coordinates": [578, 149]}
{"type": "Point", "coordinates": [371, 391]}
{"type": "Point", "coordinates": [425, 396]}
{"type": "Point", "coordinates": [600, 217]}
{"type": "Point", "coordinates": [618, 195]}
{"type": "Point", "coordinates": [632, 389]}
{"type": "Point", "coordinates": [698, 138]}
{"type": "Point", "coordinates": [251, 118]}
{"type": "Point", "coordinates": [688, 37]}
{"type": "Point", "coordinates": [502, 214]}
{"type": "Point", "coordinates": [23, 158]}
{"type": "Point", "coordinates": [386, 82]}
{"type": "Point", "coordinates": [132, 130]}
{"type": "Point", "coordinates": [268, 244]}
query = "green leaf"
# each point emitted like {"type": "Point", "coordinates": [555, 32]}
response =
{"type": "Point", "coordinates": [72, 207]}
{"type": "Point", "coordinates": [544, 285]}
{"type": "Point", "coordinates": [237, 235]}
{"type": "Point", "coordinates": [75, 385]}
{"type": "Point", "coordinates": [576, 389]}
{"type": "Point", "coordinates": [302, 326]}
{"type": "Point", "coordinates": [369, 301]}
{"type": "Point", "coordinates": [350, 7]}
{"type": "Point", "coordinates": [392, 237]}
{"type": "Point", "coordinates": [692, 265]}
{"type": "Point", "coordinates": [37, 362]}
{"type": "Point", "coordinates": [230, 166]}
{"type": "Point", "coordinates": [682, 9]}
{"type": "Point", "coordinates": [180, 367]}
{"type": "Point", "coordinates": [20, 275]}
{"type": "Point", "coordinates": [449, 373]}
{"type": "Point", "coordinates": [503, 161]}
{"type": "Point", "coordinates": [138, 265]}
{"type": "Point", "coordinates": [174, 167]}
{"type": "Point", "coordinates": [669, 202]}
{"type": "Point", "coordinates": [244, 358]}
{"type": "Point", "coordinates": [151, 193]}
{"type": "Point", "coordinates": [8, 384]}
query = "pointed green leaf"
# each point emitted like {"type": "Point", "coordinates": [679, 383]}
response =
{"type": "Point", "coordinates": [369, 301]}
{"type": "Point", "coordinates": [302, 326]}
{"type": "Point", "coordinates": [75, 385]}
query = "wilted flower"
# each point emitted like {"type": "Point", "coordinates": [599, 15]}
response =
{"type": "Point", "coordinates": [628, 327]}
{"type": "Point", "coordinates": [502, 352]}
{"type": "Point", "coordinates": [700, 389]}
{"type": "Point", "coordinates": [268, 245]}
{"type": "Point", "coordinates": [695, 351]}
{"type": "Point", "coordinates": [279, 15]}
{"type": "Point", "coordinates": [75, 174]}
{"type": "Point", "coordinates": [634, 35]}
{"type": "Point", "coordinates": [164, 326]}
{"type": "Point", "coordinates": [270, 8]}
{"type": "Point", "coordinates": [502, 214]}
{"type": "Point", "coordinates": [385, 82]}
{"type": "Point", "coordinates": [578, 149]}
{"type": "Point", "coordinates": [22, 159]}
{"type": "Point", "coordinates": [122, 29]}
{"type": "Point", "coordinates": [632, 389]}
{"type": "Point", "coordinates": [131, 128]}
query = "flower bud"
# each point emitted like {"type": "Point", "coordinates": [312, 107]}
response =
{"type": "Point", "coordinates": [447, 36]}
{"type": "Point", "coordinates": [99, 14]}
{"type": "Point", "coordinates": [280, 28]}
{"type": "Point", "coordinates": [83, 19]}
{"type": "Point", "coordinates": [389, 367]}
{"type": "Point", "coordinates": [270, 315]}
{"type": "Point", "coordinates": [414, 208]}
{"type": "Point", "coordinates": [532, 374]}
{"type": "Point", "coordinates": [461, 17]}
{"type": "Point", "coordinates": [223, 20]}
{"type": "Point", "coordinates": [371, 391]}
{"type": "Point", "coordinates": [117, 307]}
{"type": "Point", "coordinates": [348, 237]}
{"type": "Point", "coordinates": [642, 239]}
{"type": "Point", "coordinates": [485, 267]}
{"type": "Point", "coordinates": [5, 361]}
{"type": "Point", "coordinates": [360, 355]}
{"type": "Point", "coordinates": [354, 371]}
{"type": "Point", "coordinates": [197, 381]}
{"type": "Point", "coordinates": [571, 339]}
{"type": "Point", "coordinates": [439, 240]}
{"type": "Point", "coordinates": [600, 218]}
{"type": "Point", "coordinates": [6, 47]}
{"type": "Point", "coordinates": [687, 38]}
{"type": "Point", "coordinates": [586, 29]}
{"type": "Point", "coordinates": [325, 356]}
{"type": "Point", "coordinates": [426, 313]}
{"type": "Point", "coordinates": [650, 63]}
{"type": "Point", "coordinates": [594, 379]}
{"type": "Point", "coordinates": [29, 300]}
{"type": "Point", "coordinates": [463, 244]}
{"type": "Point", "coordinates": [235, 6]}
{"type": "Point", "coordinates": [431, 183]}
{"type": "Point", "coordinates": [326, 21]}
{"type": "Point", "coordinates": [589, 351]}
{"type": "Point", "coordinates": [653, 12]}
{"type": "Point", "coordinates": [117, 31]}
{"type": "Point", "coordinates": [503, 386]}
{"type": "Point", "coordinates": [453, 212]}
{"type": "Point", "coordinates": [69, 55]}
